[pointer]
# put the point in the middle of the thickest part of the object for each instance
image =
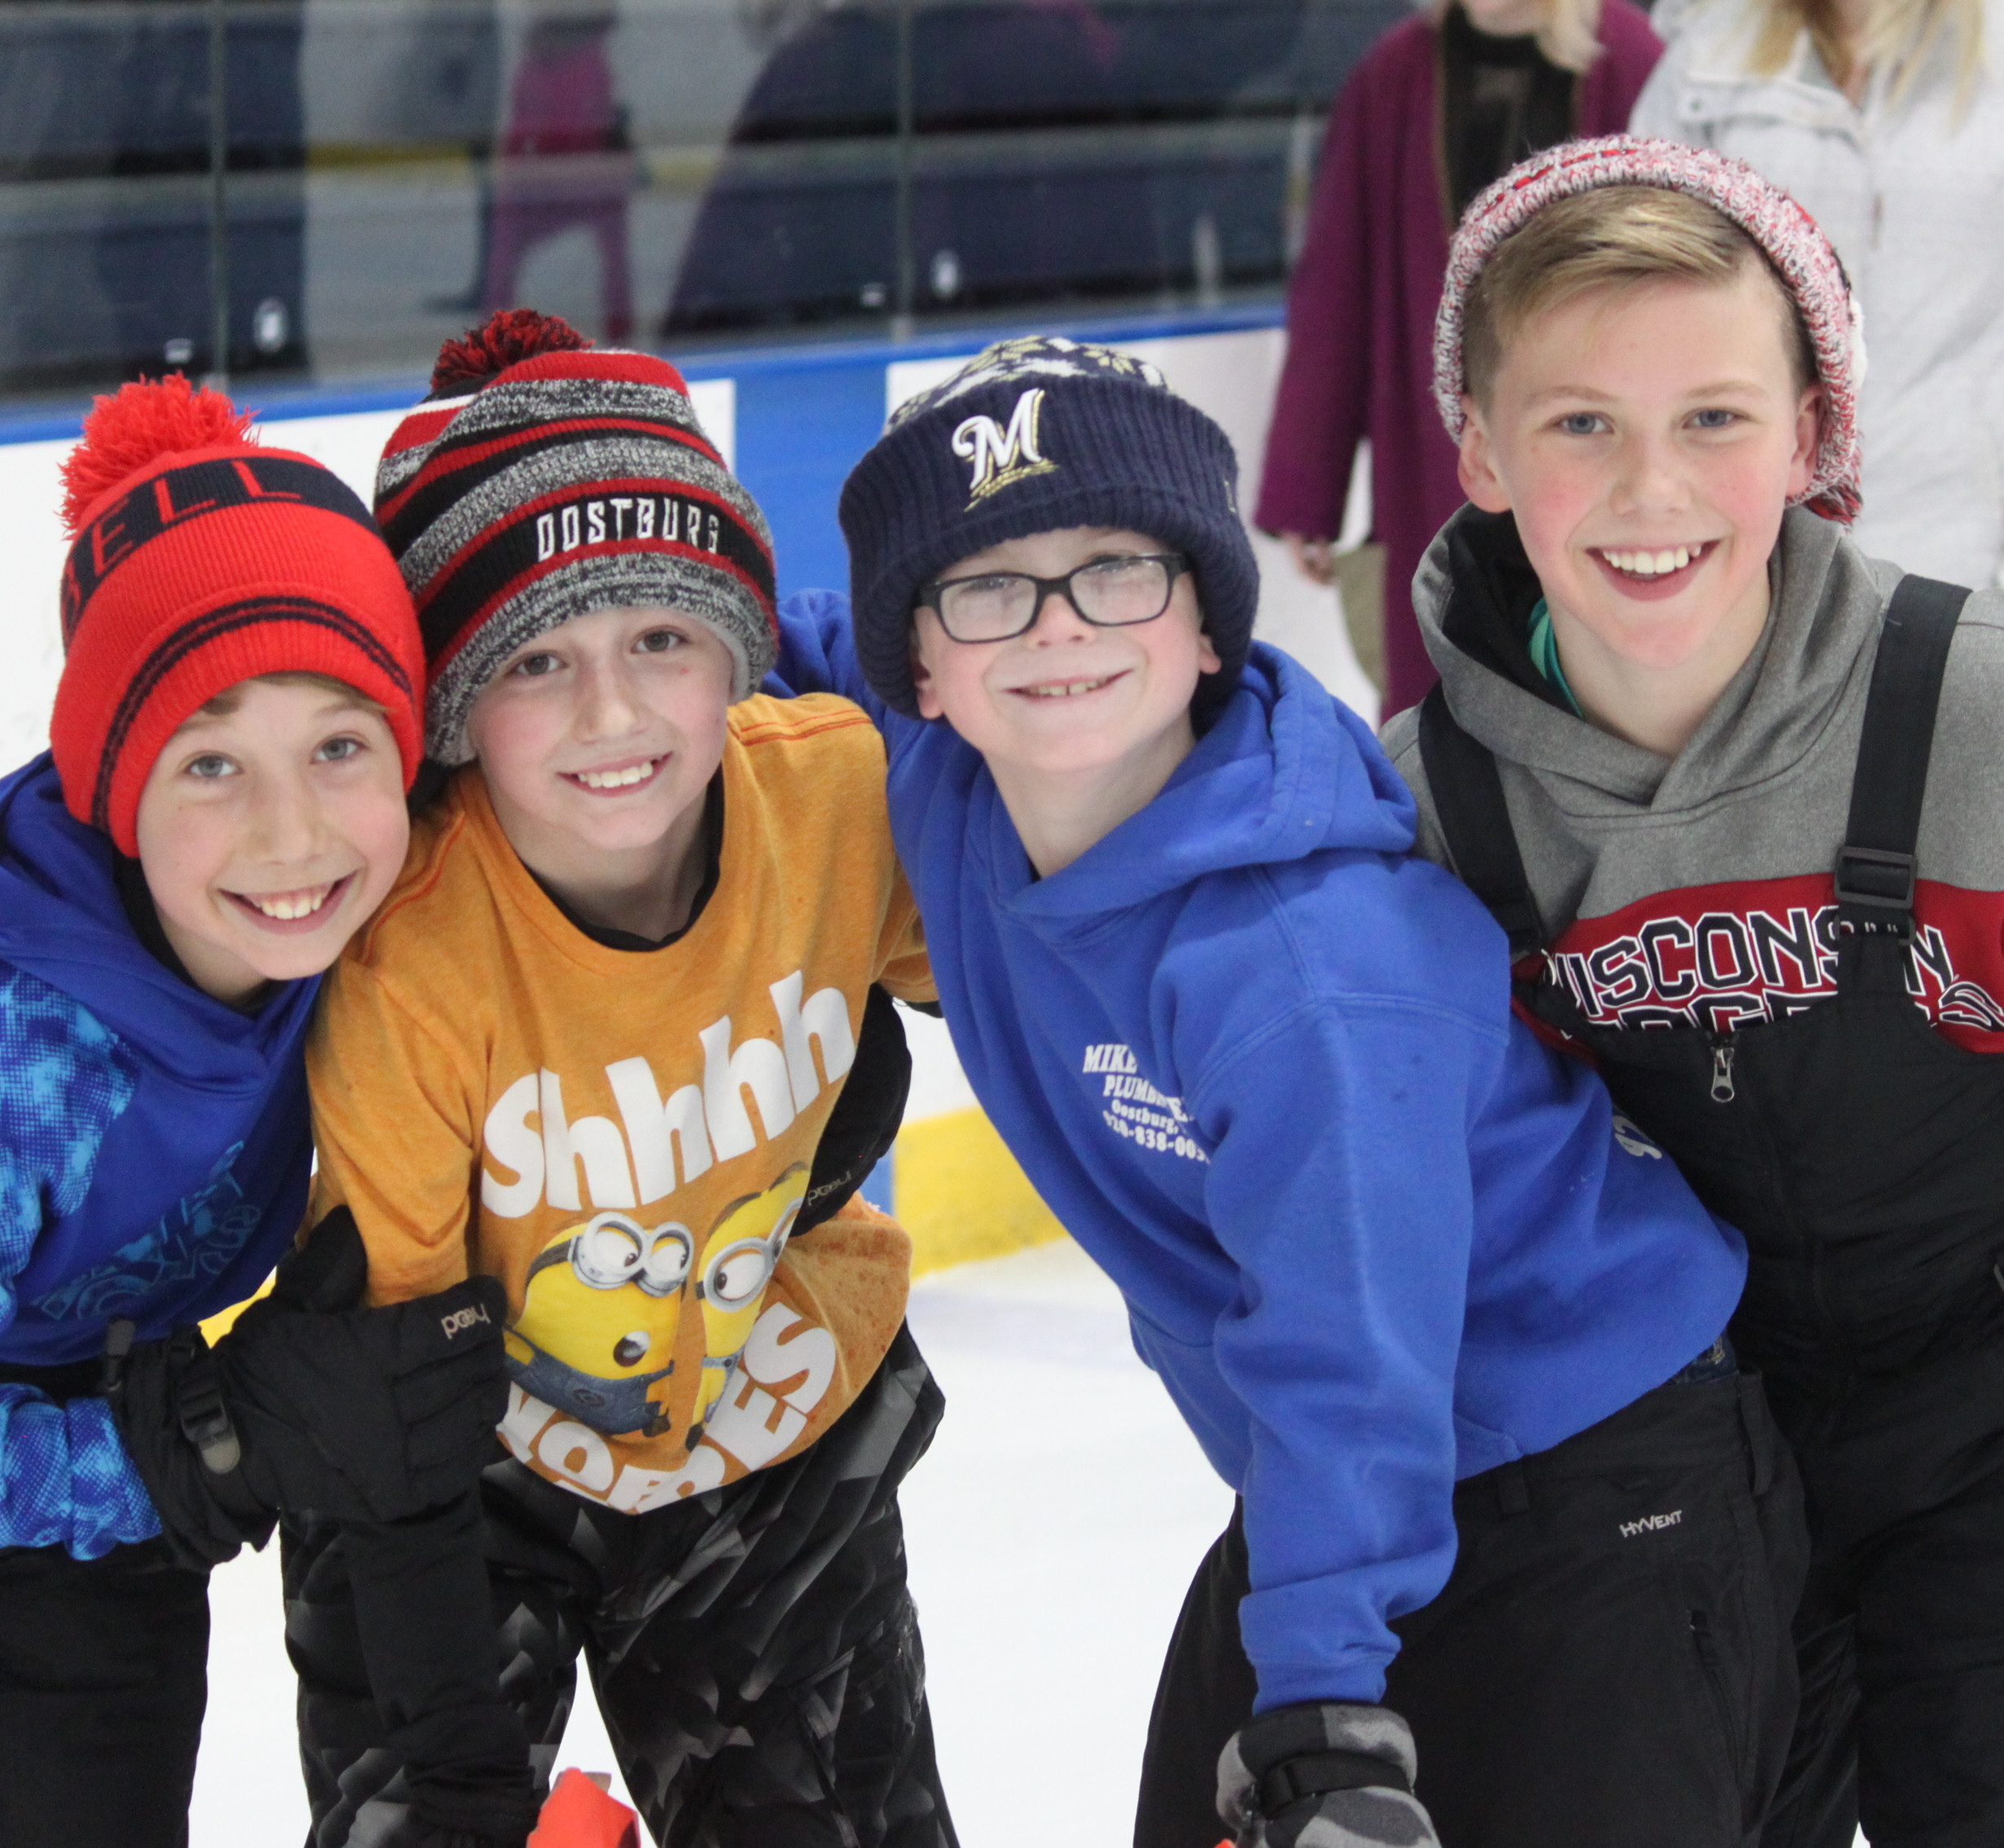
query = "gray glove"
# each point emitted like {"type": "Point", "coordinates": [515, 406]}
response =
{"type": "Point", "coordinates": [1324, 1774]}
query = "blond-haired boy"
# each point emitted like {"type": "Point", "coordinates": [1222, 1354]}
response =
{"type": "Point", "coordinates": [1727, 782]}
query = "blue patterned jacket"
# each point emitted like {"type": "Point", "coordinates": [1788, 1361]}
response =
{"type": "Point", "coordinates": [155, 1146]}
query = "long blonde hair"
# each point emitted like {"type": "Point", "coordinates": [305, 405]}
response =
{"type": "Point", "coordinates": [1901, 38]}
{"type": "Point", "coordinates": [1566, 33]}
{"type": "Point", "coordinates": [1570, 37]}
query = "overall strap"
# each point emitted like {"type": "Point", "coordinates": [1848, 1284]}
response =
{"type": "Point", "coordinates": [1467, 789]}
{"type": "Point", "coordinates": [1876, 867]}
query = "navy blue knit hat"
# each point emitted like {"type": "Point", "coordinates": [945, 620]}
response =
{"type": "Point", "coordinates": [1030, 436]}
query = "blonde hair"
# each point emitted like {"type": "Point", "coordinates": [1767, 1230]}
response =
{"type": "Point", "coordinates": [1900, 37]}
{"type": "Point", "coordinates": [1612, 237]}
{"type": "Point", "coordinates": [1567, 32]}
{"type": "Point", "coordinates": [222, 705]}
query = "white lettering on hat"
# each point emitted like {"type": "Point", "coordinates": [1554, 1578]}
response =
{"type": "Point", "coordinates": [670, 520]}
{"type": "Point", "coordinates": [710, 544]}
{"type": "Point", "coordinates": [620, 505]}
{"type": "Point", "coordinates": [1003, 456]}
{"type": "Point", "coordinates": [594, 522]}
{"type": "Point", "coordinates": [571, 536]}
{"type": "Point", "coordinates": [644, 519]}
{"type": "Point", "coordinates": [545, 535]}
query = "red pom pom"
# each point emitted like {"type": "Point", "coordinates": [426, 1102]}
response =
{"type": "Point", "coordinates": [140, 424]}
{"type": "Point", "coordinates": [513, 334]}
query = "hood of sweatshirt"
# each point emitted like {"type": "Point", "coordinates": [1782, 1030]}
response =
{"type": "Point", "coordinates": [1474, 596]}
{"type": "Point", "coordinates": [1286, 771]}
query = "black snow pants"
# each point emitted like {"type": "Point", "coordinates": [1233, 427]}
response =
{"type": "Point", "coordinates": [1861, 1150]}
{"type": "Point", "coordinates": [103, 1676]}
{"type": "Point", "coordinates": [1608, 1666]}
{"type": "Point", "coordinates": [754, 1650]}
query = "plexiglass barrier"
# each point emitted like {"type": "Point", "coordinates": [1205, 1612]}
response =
{"type": "Point", "coordinates": [345, 183]}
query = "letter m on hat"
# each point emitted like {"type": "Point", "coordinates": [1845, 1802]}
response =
{"type": "Point", "coordinates": [1000, 456]}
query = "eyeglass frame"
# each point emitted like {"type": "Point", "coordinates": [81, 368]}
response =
{"type": "Point", "coordinates": [1176, 563]}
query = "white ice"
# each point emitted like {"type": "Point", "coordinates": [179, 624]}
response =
{"type": "Point", "coordinates": [1051, 1530]}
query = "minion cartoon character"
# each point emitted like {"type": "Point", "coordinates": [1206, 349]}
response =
{"type": "Point", "coordinates": [597, 1331]}
{"type": "Point", "coordinates": [739, 1257]}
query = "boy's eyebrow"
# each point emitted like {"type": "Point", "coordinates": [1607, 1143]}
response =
{"type": "Point", "coordinates": [1719, 388]}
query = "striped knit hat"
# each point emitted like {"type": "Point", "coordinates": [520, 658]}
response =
{"type": "Point", "coordinates": [1793, 243]}
{"type": "Point", "coordinates": [543, 479]}
{"type": "Point", "coordinates": [200, 559]}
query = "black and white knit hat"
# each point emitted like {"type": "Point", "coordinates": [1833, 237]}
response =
{"type": "Point", "coordinates": [1030, 436]}
{"type": "Point", "coordinates": [543, 479]}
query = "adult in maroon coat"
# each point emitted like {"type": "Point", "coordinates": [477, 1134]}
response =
{"type": "Point", "coordinates": [1443, 104]}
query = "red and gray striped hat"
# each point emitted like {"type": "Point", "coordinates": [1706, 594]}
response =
{"type": "Point", "coordinates": [1793, 241]}
{"type": "Point", "coordinates": [544, 478]}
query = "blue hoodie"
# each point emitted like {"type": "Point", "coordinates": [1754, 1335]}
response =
{"type": "Point", "coordinates": [155, 1146]}
{"type": "Point", "coordinates": [1261, 1062]}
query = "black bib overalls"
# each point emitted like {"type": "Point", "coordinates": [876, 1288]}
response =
{"type": "Point", "coordinates": [1861, 1153]}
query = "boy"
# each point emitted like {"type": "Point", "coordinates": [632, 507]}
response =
{"type": "Point", "coordinates": [234, 727]}
{"type": "Point", "coordinates": [612, 1040]}
{"type": "Point", "coordinates": [1376, 1239]}
{"type": "Point", "coordinates": [1695, 779]}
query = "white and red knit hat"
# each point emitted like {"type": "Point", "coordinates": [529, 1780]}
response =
{"type": "Point", "coordinates": [1793, 243]}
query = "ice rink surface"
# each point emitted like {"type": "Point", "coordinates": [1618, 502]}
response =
{"type": "Point", "coordinates": [1052, 1529]}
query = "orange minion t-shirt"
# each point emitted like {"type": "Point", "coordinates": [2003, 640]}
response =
{"type": "Point", "coordinates": [624, 1137]}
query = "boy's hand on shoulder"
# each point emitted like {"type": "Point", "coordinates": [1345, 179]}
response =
{"type": "Point", "coordinates": [1336, 1774]}
{"type": "Point", "coordinates": [312, 1402]}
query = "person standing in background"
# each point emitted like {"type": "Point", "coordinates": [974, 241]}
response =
{"type": "Point", "coordinates": [1883, 118]}
{"type": "Point", "coordinates": [1444, 103]}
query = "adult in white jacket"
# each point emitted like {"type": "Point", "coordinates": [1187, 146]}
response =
{"type": "Point", "coordinates": [1881, 118]}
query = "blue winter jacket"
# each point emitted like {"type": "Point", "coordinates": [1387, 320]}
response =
{"type": "Point", "coordinates": [1261, 1062]}
{"type": "Point", "coordinates": [155, 1146]}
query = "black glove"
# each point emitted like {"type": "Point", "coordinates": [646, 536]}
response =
{"type": "Point", "coordinates": [1336, 1774]}
{"type": "Point", "coordinates": [311, 1403]}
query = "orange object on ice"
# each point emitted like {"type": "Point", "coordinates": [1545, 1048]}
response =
{"type": "Point", "coordinates": [577, 1814]}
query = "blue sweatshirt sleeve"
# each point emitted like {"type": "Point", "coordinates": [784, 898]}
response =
{"type": "Point", "coordinates": [1352, 1248]}
{"type": "Point", "coordinates": [65, 1479]}
{"type": "Point", "coordinates": [818, 654]}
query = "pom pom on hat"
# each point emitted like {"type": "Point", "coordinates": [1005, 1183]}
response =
{"type": "Point", "coordinates": [511, 335]}
{"type": "Point", "coordinates": [199, 560]}
{"type": "Point", "coordinates": [139, 423]}
{"type": "Point", "coordinates": [1792, 240]}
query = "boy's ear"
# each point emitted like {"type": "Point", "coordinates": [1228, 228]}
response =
{"type": "Point", "coordinates": [1808, 440]}
{"type": "Point", "coordinates": [928, 704]}
{"type": "Point", "coordinates": [1476, 468]}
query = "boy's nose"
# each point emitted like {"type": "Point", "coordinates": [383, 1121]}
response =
{"type": "Point", "coordinates": [287, 822]}
{"type": "Point", "coordinates": [1057, 619]}
{"type": "Point", "coordinates": [607, 706]}
{"type": "Point", "coordinates": [1651, 478]}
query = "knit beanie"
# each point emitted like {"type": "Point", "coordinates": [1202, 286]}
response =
{"type": "Point", "coordinates": [200, 559]}
{"type": "Point", "coordinates": [1791, 239]}
{"type": "Point", "coordinates": [544, 478]}
{"type": "Point", "coordinates": [1031, 436]}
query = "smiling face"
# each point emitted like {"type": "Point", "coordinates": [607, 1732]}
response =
{"type": "Point", "coordinates": [1067, 699]}
{"type": "Point", "coordinates": [1648, 439]}
{"type": "Point", "coordinates": [598, 740]}
{"type": "Point", "coordinates": [271, 825]}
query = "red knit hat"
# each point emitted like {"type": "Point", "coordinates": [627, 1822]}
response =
{"type": "Point", "coordinates": [200, 559]}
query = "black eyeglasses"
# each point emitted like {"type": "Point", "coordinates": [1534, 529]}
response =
{"type": "Point", "coordinates": [1109, 593]}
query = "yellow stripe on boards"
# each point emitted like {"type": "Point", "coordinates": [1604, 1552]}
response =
{"type": "Point", "coordinates": [960, 1194]}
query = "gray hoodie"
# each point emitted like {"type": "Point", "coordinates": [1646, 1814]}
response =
{"type": "Point", "coordinates": [1699, 891]}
